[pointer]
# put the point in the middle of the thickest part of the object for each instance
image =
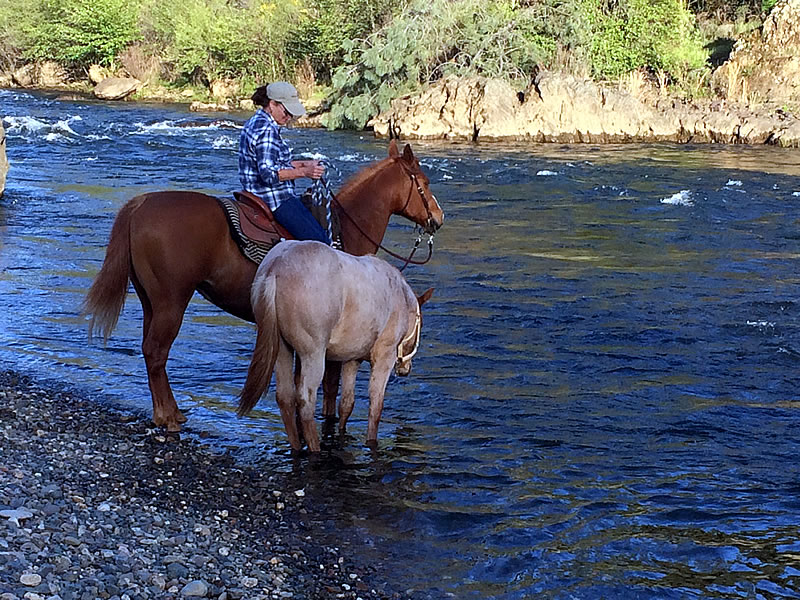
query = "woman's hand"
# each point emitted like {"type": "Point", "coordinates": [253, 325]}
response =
{"type": "Point", "coordinates": [313, 169]}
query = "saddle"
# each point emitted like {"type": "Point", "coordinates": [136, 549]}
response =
{"type": "Point", "coordinates": [257, 220]}
{"type": "Point", "coordinates": [254, 227]}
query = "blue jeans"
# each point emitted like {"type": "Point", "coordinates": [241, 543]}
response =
{"type": "Point", "coordinates": [299, 221]}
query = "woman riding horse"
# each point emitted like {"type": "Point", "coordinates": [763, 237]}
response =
{"type": "Point", "coordinates": [266, 168]}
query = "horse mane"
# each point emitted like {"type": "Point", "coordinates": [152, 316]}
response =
{"type": "Point", "coordinates": [363, 175]}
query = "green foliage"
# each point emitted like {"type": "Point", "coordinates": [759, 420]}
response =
{"type": "Point", "coordinates": [11, 39]}
{"type": "Point", "coordinates": [210, 39]}
{"type": "Point", "coordinates": [428, 40]}
{"type": "Point", "coordinates": [768, 5]}
{"type": "Point", "coordinates": [78, 33]}
{"type": "Point", "coordinates": [631, 34]}
{"type": "Point", "coordinates": [331, 25]}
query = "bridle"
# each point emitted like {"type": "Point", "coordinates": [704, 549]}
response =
{"type": "Point", "coordinates": [427, 228]}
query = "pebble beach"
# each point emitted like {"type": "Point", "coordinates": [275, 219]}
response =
{"type": "Point", "coordinates": [96, 503]}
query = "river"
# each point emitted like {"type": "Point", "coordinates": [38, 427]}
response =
{"type": "Point", "coordinates": [606, 401]}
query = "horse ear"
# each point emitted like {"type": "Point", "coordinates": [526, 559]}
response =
{"type": "Point", "coordinates": [425, 296]}
{"type": "Point", "coordinates": [393, 151]}
{"type": "Point", "coordinates": [408, 155]}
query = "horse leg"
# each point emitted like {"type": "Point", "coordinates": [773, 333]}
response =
{"type": "Point", "coordinates": [330, 388]}
{"type": "Point", "coordinates": [349, 370]}
{"type": "Point", "coordinates": [285, 394]}
{"type": "Point", "coordinates": [379, 377]}
{"type": "Point", "coordinates": [309, 382]}
{"type": "Point", "coordinates": [161, 326]}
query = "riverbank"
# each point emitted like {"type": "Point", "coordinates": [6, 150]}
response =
{"type": "Point", "coordinates": [96, 504]}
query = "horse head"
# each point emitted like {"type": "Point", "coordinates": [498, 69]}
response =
{"type": "Point", "coordinates": [420, 205]}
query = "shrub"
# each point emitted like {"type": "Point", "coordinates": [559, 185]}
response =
{"type": "Point", "coordinates": [428, 40]}
{"type": "Point", "coordinates": [78, 33]}
{"type": "Point", "coordinates": [329, 25]}
{"type": "Point", "coordinates": [653, 34]}
{"type": "Point", "coordinates": [210, 39]}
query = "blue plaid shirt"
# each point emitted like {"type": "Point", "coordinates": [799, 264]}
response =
{"type": "Point", "coordinates": [262, 153]}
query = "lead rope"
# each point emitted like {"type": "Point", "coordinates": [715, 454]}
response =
{"type": "Point", "coordinates": [321, 193]}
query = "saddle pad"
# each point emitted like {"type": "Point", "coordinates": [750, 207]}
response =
{"type": "Point", "coordinates": [255, 251]}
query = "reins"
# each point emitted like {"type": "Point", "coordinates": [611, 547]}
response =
{"type": "Point", "coordinates": [322, 188]}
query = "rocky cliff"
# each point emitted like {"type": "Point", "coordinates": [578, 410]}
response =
{"type": "Point", "coordinates": [766, 64]}
{"type": "Point", "coordinates": [759, 101]}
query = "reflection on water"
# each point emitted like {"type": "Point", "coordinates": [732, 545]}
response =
{"type": "Point", "coordinates": [605, 400]}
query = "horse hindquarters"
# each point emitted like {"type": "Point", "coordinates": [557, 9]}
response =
{"type": "Point", "coordinates": [106, 297]}
{"type": "Point", "coordinates": [268, 344]}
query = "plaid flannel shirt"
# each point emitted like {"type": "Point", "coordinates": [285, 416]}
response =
{"type": "Point", "coordinates": [262, 153]}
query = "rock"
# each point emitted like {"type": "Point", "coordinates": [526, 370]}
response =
{"type": "Point", "coordinates": [16, 515]}
{"type": "Point", "coordinates": [3, 160]}
{"type": "Point", "coordinates": [47, 74]}
{"type": "Point", "coordinates": [30, 579]}
{"type": "Point", "coordinates": [222, 89]}
{"type": "Point", "coordinates": [50, 74]}
{"type": "Point", "coordinates": [116, 88]}
{"type": "Point", "coordinates": [177, 571]}
{"type": "Point", "coordinates": [564, 109]}
{"type": "Point", "coordinates": [195, 588]}
{"type": "Point", "coordinates": [98, 74]}
{"type": "Point", "coordinates": [198, 106]}
{"type": "Point", "coordinates": [765, 65]}
{"type": "Point", "coordinates": [25, 76]}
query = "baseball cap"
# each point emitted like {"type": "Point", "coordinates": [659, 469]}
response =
{"type": "Point", "coordinates": [286, 94]}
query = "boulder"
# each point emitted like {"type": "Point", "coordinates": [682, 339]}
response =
{"type": "Point", "coordinates": [556, 108]}
{"type": "Point", "coordinates": [50, 74]}
{"type": "Point", "coordinates": [116, 88]}
{"type": "Point", "coordinates": [3, 159]}
{"type": "Point", "coordinates": [25, 76]}
{"type": "Point", "coordinates": [564, 109]}
{"type": "Point", "coordinates": [47, 74]}
{"type": "Point", "coordinates": [98, 74]}
{"type": "Point", "coordinates": [765, 65]}
{"type": "Point", "coordinates": [222, 89]}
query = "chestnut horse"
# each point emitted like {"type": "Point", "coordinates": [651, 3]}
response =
{"type": "Point", "coordinates": [315, 302]}
{"type": "Point", "coordinates": [171, 243]}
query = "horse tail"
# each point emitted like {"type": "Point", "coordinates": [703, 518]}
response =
{"type": "Point", "coordinates": [267, 343]}
{"type": "Point", "coordinates": [106, 297]}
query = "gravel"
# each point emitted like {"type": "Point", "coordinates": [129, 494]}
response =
{"type": "Point", "coordinates": [96, 504]}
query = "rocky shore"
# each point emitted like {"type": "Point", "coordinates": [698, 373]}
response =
{"type": "Point", "coordinates": [95, 504]}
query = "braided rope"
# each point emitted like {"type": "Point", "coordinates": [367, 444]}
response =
{"type": "Point", "coordinates": [321, 192]}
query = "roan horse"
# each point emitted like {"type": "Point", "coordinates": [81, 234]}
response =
{"type": "Point", "coordinates": [171, 243]}
{"type": "Point", "coordinates": [314, 301]}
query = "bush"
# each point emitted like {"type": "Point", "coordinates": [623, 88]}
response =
{"type": "Point", "coordinates": [78, 33]}
{"type": "Point", "coordinates": [203, 40]}
{"type": "Point", "coordinates": [329, 25]}
{"type": "Point", "coordinates": [428, 40]}
{"type": "Point", "coordinates": [659, 35]}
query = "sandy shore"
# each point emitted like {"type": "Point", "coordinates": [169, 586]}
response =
{"type": "Point", "coordinates": [96, 504]}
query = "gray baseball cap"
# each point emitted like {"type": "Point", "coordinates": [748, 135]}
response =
{"type": "Point", "coordinates": [286, 94]}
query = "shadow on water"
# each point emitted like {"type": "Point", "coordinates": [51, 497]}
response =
{"type": "Point", "coordinates": [605, 399]}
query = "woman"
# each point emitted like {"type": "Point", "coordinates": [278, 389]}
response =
{"type": "Point", "coordinates": [266, 168]}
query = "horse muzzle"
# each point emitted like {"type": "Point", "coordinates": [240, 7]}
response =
{"type": "Point", "coordinates": [433, 224]}
{"type": "Point", "coordinates": [402, 368]}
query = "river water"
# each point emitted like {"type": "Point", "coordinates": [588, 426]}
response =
{"type": "Point", "coordinates": [606, 399]}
